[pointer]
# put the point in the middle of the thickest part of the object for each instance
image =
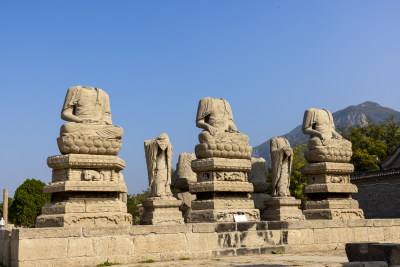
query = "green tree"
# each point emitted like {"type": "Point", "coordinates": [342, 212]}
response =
{"type": "Point", "coordinates": [297, 181]}
{"type": "Point", "coordinates": [133, 203]}
{"type": "Point", "coordinates": [372, 142]}
{"type": "Point", "coordinates": [28, 202]}
{"type": "Point", "coordinates": [10, 201]}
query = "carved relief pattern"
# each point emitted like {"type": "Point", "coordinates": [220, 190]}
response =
{"type": "Point", "coordinates": [222, 176]}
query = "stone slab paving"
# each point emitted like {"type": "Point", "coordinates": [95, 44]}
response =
{"type": "Point", "coordinates": [279, 260]}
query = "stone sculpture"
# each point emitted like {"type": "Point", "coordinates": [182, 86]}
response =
{"type": "Point", "coordinates": [89, 129]}
{"type": "Point", "coordinates": [161, 207]}
{"type": "Point", "coordinates": [159, 159]}
{"type": "Point", "coordinates": [184, 175]}
{"type": "Point", "coordinates": [220, 137]}
{"type": "Point", "coordinates": [281, 206]}
{"type": "Point", "coordinates": [328, 172]}
{"type": "Point", "coordinates": [182, 178]}
{"type": "Point", "coordinates": [325, 144]}
{"type": "Point", "coordinates": [281, 166]}
{"type": "Point", "coordinates": [87, 188]}
{"type": "Point", "coordinates": [222, 166]}
{"type": "Point", "coordinates": [258, 177]}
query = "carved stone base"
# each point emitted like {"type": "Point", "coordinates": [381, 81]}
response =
{"type": "Point", "coordinates": [162, 211]}
{"type": "Point", "coordinates": [222, 190]}
{"type": "Point", "coordinates": [329, 191]}
{"type": "Point", "coordinates": [86, 190]}
{"type": "Point", "coordinates": [333, 214]}
{"type": "Point", "coordinates": [221, 215]}
{"type": "Point", "coordinates": [84, 219]}
{"type": "Point", "coordinates": [282, 209]}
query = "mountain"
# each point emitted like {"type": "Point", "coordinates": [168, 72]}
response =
{"type": "Point", "coordinates": [352, 115]}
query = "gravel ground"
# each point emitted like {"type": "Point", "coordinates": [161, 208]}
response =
{"type": "Point", "coordinates": [310, 259]}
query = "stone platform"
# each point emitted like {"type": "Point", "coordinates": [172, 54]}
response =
{"type": "Point", "coordinates": [89, 246]}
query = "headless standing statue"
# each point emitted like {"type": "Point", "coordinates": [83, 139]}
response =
{"type": "Point", "coordinates": [161, 207]}
{"type": "Point", "coordinates": [281, 165]}
{"type": "Point", "coordinates": [281, 206]}
{"type": "Point", "coordinates": [159, 159]}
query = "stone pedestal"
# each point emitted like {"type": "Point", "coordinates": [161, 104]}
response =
{"type": "Point", "coordinates": [222, 190]}
{"type": "Point", "coordinates": [86, 190]}
{"type": "Point", "coordinates": [329, 191]}
{"type": "Point", "coordinates": [282, 209]}
{"type": "Point", "coordinates": [162, 210]}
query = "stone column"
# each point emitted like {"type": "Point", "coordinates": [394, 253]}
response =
{"type": "Point", "coordinates": [5, 207]}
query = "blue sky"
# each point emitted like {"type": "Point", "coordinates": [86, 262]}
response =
{"type": "Point", "coordinates": [156, 59]}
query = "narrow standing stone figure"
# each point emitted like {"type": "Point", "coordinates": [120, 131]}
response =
{"type": "Point", "coordinates": [281, 206]}
{"type": "Point", "coordinates": [161, 207]}
{"type": "Point", "coordinates": [281, 164]}
{"type": "Point", "coordinates": [159, 159]}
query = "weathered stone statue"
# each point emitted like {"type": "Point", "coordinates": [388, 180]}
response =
{"type": "Point", "coordinates": [184, 175]}
{"type": "Point", "coordinates": [325, 144]}
{"type": "Point", "coordinates": [222, 166]}
{"type": "Point", "coordinates": [281, 166]}
{"type": "Point", "coordinates": [258, 177]}
{"type": "Point", "coordinates": [281, 206]}
{"type": "Point", "coordinates": [220, 137]}
{"type": "Point", "coordinates": [159, 159]}
{"type": "Point", "coordinates": [215, 117]}
{"type": "Point", "coordinates": [328, 172]}
{"type": "Point", "coordinates": [89, 128]}
{"type": "Point", "coordinates": [87, 186]}
{"type": "Point", "coordinates": [182, 178]}
{"type": "Point", "coordinates": [161, 207]}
